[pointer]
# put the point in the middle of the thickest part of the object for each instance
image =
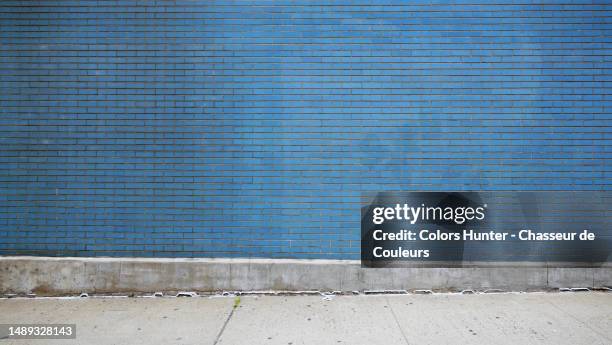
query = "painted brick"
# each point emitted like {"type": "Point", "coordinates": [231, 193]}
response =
{"type": "Point", "coordinates": [214, 128]}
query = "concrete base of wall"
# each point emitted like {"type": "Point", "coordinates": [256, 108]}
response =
{"type": "Point", "coordinates": [58, 276]}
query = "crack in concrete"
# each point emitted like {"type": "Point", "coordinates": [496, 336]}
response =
{"type": "Point", "coordinates": [397, 321]}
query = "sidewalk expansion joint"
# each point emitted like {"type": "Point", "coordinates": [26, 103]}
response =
{"type": "Point", "coordinates": [397, 321]}
{"type": "Point", "coordinates": [224, 325]}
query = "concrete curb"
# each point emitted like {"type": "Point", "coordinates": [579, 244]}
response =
{"type": "Point", "coordinates": [57, 276]}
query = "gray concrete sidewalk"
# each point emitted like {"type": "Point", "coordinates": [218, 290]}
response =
{"type": "Point", "coordinates": [527, 318]}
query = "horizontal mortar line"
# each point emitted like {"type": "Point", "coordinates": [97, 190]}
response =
{"type": "Point", "coordinates": [361, 47]}
{"type": "Point", "coordinates": [310, 15]}
{"type": "Point", "coordinates": [319, 112]}
{"type": "Point", "coordinates": [247, 241]}
{"type": "Point", "coordinates": [195, 153]}
{"type": "Point", "coordinates": [206, 84]}
{"type": "Point", "coordinates": [154, 91]}
{"type": "Point", "coordinates": [140, 97]}
{"type": "Point", "coordinates": [270, 206]}
{"type": "Point", "coordinates": [274, 130]}
{"type": "Point", "coordinates": [189, 223]}
{"type": "Point", "coordinates": [326, 5]}
{"type": "Point", "coordinates": [159, 188]}
{"type": "Point", "coordinates": [315, 9]}
{"type": "Point", "coordinates": [204, 61]}
{"type": "Point", "coordinates": [141, 204]}
{"type": "Point", "coordinates": [189, 240]}
{"type": "Point", "coordinates": [170, 216]}
{"type": "Point", "coordinates": [229, 117]}
{"type": "Point", "coordinates": [221, 93]}
{"type": "Point", "coordinates": [359, 8]}
{"type": "Point", "coordinates": [191, 59]}
{"type": "Point", "coordinates": [160, 231]}
{"type": "Point", "coordinates": [312, 179]}
{"type": "Point", "coordinates": [68, 185]}
{"type": "Point", "coordinates": [202, 90]}
{"type": "Point", "coordinates": [371, 27]}
{"type": "Point", "coordinates": [91, 47]}
{"type": "Point", "coordinates": [101, 249]}
{"type": "Point", "coordinates": [309, 236]}
{"type": "Point", "coordinates": [332, 28]}
{"type": "Point", "coordinates": [145, 154]}
{"type": "Point", "coordinates": [197, 240]}
{"type": "Point", "coordinates": [280, 180]}
{"type": "Point", "coordinates": [47, 185]}
{"type": "Point", "coordinates": [87, 147]}
{"type": "Point", "coordinates": [332, 5]}
{"type": "Point", "coordinates": [280, 72]}
{"type": "Point", "coordinates": [238, 126]}
{"type": "Point", "coordinates": [339, 192]}
{"type": "Point", "coordinates": [131, 53]}
{"type": "Point", "coordinates": [332, 162]}
{"type": "Point", "coordinates": [326, 135]}
{"type": "Point", "coordinates": [150, 66]}
{"type": "Point", "coordinates": [181, 240]}
{"type": "Point", "coordinates": [299, 206]}
{"type": "Point", "coordinates": [275, 149]}
{"type": "Point", "coordinates": [101, 123]}
{"type": "Point", "coordinates": [484, 30]}
{"type": "Point", "coordinates": [147, 35]}
{"type": "Point", "coordinates": [208, 131]}
{"type": "Point", "coordinates": [221, 254]}
{"type": "Point", "coordinates": [317, 64]}
{"type": "Point", "coordinates": [83, 128]}
{"type": "Point", "coordinates": [113, 239]}
{"type": "Point", "coordinates": [282, 61]}
{"type": "Point", "coordinates": [359, 162]}
{"type": "Point", "coordinates": [222, 116]}
{"type": "Point", "coordinates": [318, 8]}
{"type": "Point", "coordinates": [238, 130]}
{"type": "Point", "coordinates": [240, 187]}
{"type": "Point", "coordinates": [502, 148]}
{"type": "Point", "coordinates": [33, 230]}
{"type": "Point", "coordinates": [119, 86]}
{"type": "Point", "coordinates": [204, 241]}
{"type": "Point", "coordinates": [602, 72]}
{"type": "Point", "coordinates": [164, 165]}
{"type": "Point", "coordinates": [249, 41]}
{"type": "Point", "coordinates": [165, 188]}
{"type": "Point", "coordinates": [314, 15]}
{"type": "Point", "coordinates": [475, 53]}
{"type": "Point", "coordinates": [340, 208]}
{"type": "Point", "coordinates": [241, 122]}
{"type": "Point", "coordinates": [370, 193]}
{"type": "Point", "coordinates": [77, 172]}
{"type": "Point", "coordinates": [189, 212]}
{"type": "Point", "coordinates": [300, 107]}
{"type": "Point", "coordinates": [298, 99]}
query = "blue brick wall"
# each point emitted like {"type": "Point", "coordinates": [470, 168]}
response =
{"type": "Point", "coordinates": [213, 128]}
